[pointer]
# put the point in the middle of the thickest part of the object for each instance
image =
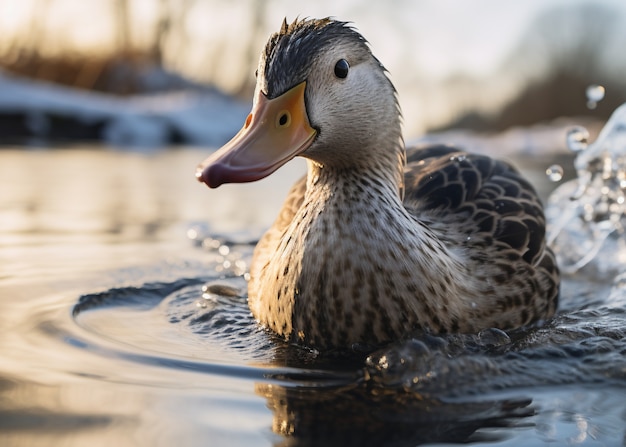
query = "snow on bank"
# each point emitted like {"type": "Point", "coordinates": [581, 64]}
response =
{"type": "Point", "coordinates": [197, 116]}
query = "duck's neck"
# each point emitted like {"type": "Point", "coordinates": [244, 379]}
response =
{"type": "Point", "coordinates": [382, 174]}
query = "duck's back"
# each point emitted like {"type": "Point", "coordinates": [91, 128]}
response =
{"type": "Point", "coordinates": [485, 207]}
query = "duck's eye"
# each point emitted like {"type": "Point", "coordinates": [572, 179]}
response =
{"type": "Point", "coordinates": [341, 68]}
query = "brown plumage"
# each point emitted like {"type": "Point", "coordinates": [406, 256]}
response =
{"type": "Point", "coordinates": [377, 242]}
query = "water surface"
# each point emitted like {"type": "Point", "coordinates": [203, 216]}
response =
{"type": "Point", "coordinates": [123, 322]}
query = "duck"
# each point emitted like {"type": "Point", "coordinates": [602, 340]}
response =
{"type": "Point", "coordinates": [378, 241]}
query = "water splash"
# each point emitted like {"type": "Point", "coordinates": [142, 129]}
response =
{"type": "Point", "coordinates": [577, 139]}
{"type": "Point", "coordinates": [555, 173]}
{"type": "Point", "coordinates": [587, 216]}
{"type": "Point", "coordinates": [595, 94]}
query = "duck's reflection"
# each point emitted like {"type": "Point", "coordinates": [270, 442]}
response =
{"type": "Point", "coordinates": [362, 414]}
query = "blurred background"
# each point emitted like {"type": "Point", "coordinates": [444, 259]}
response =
{"type": "Point", "coordinates": [482, 65]}
{"type": "Point", "coordinates": [98, 198]}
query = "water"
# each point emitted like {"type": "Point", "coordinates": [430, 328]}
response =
{"type": "Point", "coordinates": [588, 214]}
{"type": "Point", "coordinates": [595, 94]}
{"type": "Point", "coordinates": [577, 139]}
{"type": "Point", "coordinates": [123, 321]}
{"type": "Point", "coordinates": [555, 173]}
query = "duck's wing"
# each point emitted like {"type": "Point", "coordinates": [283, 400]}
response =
{"type": "Point", "coordinates": [485, 209]}
{"type": "Point", "coordinates": [469, 196]}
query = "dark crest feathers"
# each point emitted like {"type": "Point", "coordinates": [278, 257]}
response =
{"type": "Point", "coordinates": [290, 53]}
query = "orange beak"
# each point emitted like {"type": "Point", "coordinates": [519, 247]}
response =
{"type": "Point", "coordinates": [275, 131]}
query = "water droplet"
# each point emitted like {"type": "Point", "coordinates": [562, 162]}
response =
{"type": "Point", "coordinates": [555, 173]}
{"type": "Point", "coordinates": [595, 94]}
{"type": "Point", "coordinates": [577, 138]}
{"type": "Point", "coordinates": [209, 297]}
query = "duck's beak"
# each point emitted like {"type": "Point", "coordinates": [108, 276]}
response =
{"type": "Point", "coordinates": [275, 132]}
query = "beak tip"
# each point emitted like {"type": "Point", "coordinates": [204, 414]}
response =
{"type": "Point", "coordinates": [199, 174]}
{"type": "Point", "coordinates": [203, 176]}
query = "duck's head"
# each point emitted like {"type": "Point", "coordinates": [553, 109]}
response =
{"type": "Point", "coordinates": [321, 94]}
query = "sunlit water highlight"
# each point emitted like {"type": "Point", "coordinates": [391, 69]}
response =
{"type": "Point", "coordinates": [119, 330]}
